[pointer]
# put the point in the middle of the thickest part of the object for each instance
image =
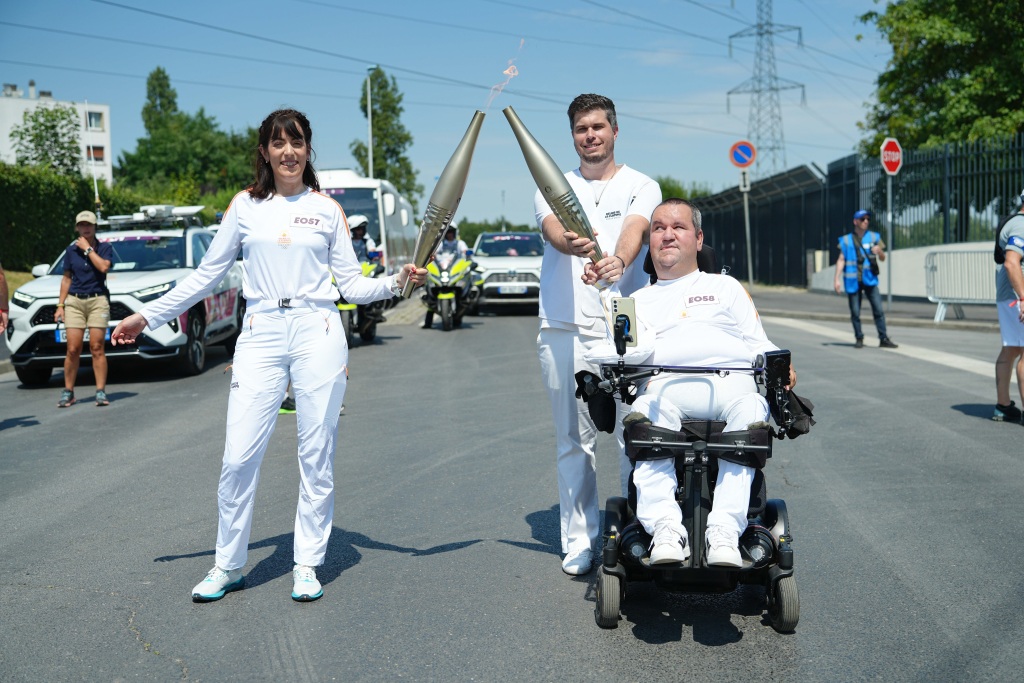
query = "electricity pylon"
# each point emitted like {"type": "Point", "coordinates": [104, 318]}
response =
{"type": "Point", "coordinates": [765, 123]}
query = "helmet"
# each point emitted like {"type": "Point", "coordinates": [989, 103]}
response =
{"type": "Point", "coordinates": [358, 220]}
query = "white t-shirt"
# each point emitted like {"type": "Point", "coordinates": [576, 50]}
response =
{"type": "Point", "coordinates": [291, 247]}
{"type": "Point", "coordinates": [565, 301]}
{"type": "Point", "coordinates": [701, 319]}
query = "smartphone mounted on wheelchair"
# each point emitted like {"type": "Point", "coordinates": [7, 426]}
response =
{"type": "Point", "coordinates": [776, 366]}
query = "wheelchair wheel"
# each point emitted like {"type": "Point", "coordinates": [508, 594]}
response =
{"type": "Point", "coordinates": [784, 605]}
{"type": "Point", "coordinates": [609, 597]}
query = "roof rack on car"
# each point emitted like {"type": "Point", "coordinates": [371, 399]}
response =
{"type": "Point", "coordinates": [155, 215]}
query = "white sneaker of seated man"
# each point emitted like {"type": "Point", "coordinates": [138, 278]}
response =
{"type": "Point", "coordinates": [578, 562]}
{"type": "Point", "coordinates": [723, 547]}
{"type": "Point", "coordinates": [669, 546]}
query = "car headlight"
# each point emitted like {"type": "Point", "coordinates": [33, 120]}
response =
{"type": "Point", "coordinates": [22, 299]}
{"type": "Point", "coordinates": [150, 293]}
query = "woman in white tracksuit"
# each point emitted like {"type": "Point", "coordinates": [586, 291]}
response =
{"type": "Point", "coordinates": [293, 240]}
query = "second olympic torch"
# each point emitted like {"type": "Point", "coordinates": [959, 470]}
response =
{"type": "Point", "coordinates": [552, 183]}
{"type": "Point", "coordinates": [445, 198]}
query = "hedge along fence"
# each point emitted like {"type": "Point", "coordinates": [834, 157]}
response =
{"type": "Point", "coordinates": [38, 209]}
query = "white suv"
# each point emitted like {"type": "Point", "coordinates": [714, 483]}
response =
{"type": "Point", "coordinates": [508, 267]}
{"type": "Point", "coordinates": [153, 250]}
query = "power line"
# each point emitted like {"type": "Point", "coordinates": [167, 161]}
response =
{"type": "Point", "coordinates": [709, 8]}
{"type": "Point", "coordinates": [233, 86]}
{"type": "Point", "coordinates": [810, 8]}
{"type": "Point", "coordinates": [477, 29]}
{"type": "Point", "coordinates": [276, 62]}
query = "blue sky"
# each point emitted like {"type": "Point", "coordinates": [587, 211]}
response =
{"type": "Point", "coordinates": [665, 63]}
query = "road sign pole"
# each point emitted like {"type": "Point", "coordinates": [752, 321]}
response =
{"type": "Point", "coordinates": [745, 189]}
{"type": "Point", "coordinates": [891, 155]}
{"type": "Point", "coordinates": [742, 154]}
{"type": "Point", "coordinates": [888, 243]}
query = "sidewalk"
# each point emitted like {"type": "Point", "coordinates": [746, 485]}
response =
{"type": "Point", "coordinates": [794, 302]}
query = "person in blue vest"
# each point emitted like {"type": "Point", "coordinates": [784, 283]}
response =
{"type": "Point", "coordinates": [857, 269]}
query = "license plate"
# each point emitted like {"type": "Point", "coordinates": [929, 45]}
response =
{"type": "Point", "coordinates": [62, 335]}
{"type": "Point", "coordinates": [511, 289]}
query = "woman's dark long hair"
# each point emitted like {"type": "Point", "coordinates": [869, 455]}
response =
{"type": "Point", "coordinates": [296, 125]}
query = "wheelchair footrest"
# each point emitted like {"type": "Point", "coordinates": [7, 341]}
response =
{"type": "Point", "coordinates": [750, 447]}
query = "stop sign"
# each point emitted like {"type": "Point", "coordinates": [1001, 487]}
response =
{"type": "Point", "coordinates": [892, 156]}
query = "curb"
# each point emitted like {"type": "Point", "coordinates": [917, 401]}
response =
{"type": "Point", "coordinates": [899, 322]}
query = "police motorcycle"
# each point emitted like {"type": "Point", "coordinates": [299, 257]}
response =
{"type": "Point", "coordinates": [362, 319]}
{"type": "Point", "coordinates": [449, 291]}
{"type": "Point", "coordinates": [766, 547]}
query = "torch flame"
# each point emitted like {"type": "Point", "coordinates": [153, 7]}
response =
{"type": "Point", "coordinates": [511, 72]}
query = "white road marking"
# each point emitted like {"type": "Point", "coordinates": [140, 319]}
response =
{"type": "Point", "coordinates": [950, 360]}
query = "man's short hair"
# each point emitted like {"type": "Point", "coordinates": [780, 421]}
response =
{"type": "Point", "coordinates": [589, 102]}
{"type": "Point", "coordinates": [678, 201]}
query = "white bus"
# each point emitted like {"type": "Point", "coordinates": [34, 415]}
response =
{"type": "Point", "coordinates": [392, 225]}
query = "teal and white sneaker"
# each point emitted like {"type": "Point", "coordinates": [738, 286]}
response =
{"type": "Point", "coordinates": [67, 398]}
{"type": "Point", "coordinates": [305, 587]}
{"type": "Point", "coordinates": [216, 584]}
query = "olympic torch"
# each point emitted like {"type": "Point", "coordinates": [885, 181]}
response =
{"type": "Point", "coordinates": [445, 199]}
{"type": "Point", "coordinates": [552, 183]}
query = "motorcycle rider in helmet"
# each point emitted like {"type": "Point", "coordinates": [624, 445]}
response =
{"type": "Point", "coordinates": [362, 244]}
{"type": "Point", "coordinates": [450, 243]}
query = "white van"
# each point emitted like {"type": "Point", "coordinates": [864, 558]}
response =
{"type": "Point", "coordinates": [392, 225]}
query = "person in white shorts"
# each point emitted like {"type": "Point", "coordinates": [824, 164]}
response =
{"type": "Point", "coordinates": [293, 240]}
{"type": "Point", "coordinates": [1010, 304]}
{"type": "Point", "coordinates": [618, 202]}
{"type": "Point", "coordinates": [692, 318]}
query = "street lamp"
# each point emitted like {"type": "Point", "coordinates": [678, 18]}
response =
{"type": "Point", "coordinates": [369, 121]}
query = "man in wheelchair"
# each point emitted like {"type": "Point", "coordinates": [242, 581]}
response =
{"type": "Point", "coordinates": [689, 318]}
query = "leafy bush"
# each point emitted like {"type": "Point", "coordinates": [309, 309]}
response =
{"type": "Point", "coordinates": [38, 209]}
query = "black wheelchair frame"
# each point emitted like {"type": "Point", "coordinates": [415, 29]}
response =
{"type": "Point", "coordinates": [766, 545]}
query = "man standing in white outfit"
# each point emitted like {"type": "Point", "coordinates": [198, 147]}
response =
{"type": "Point", "coordinates": [618, 202]}
{"type": "Point", "coordinates": [692, 318]}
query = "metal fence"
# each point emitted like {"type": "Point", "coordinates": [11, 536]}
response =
{"type": "Point", "coordinates": [944, 195]}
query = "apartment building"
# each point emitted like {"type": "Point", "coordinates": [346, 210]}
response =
{"type": "Point", "coordinates": [94, 131]}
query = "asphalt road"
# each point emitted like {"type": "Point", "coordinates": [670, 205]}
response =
{"type": "Point", "coordinates": [443, 561]}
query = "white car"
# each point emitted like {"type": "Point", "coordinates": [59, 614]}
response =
{"type": "Point", "coordinates": [508, 267]}
{"type": "Point", "coordinates": [153, 250]}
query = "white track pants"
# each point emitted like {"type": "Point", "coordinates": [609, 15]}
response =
{"type": "Point", "coordinates": [733, 398]}
{"type": "Point", "coordinates": [308, 347]}
{"type": "Point", "coordinates": [561, 357]}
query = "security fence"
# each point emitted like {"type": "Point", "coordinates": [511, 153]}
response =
{"type": "Point", "coordinates": [943, 195]}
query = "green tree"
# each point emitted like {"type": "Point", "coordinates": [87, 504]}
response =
{"type": "Point", "coordinates": [390, 137]}
{"type": "Point", "coordinates": [956, 72]}
{"type": "Point", "coordinates": [670, 187]}
{"type": "Point", "coordinates": [49, 137]}
{"type": "Point", "coordinates": [181, 146]}
{"type": "Point", "coordinates": [161, 101]}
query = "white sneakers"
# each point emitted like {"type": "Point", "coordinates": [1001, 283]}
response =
{"type": "Point", "coordinates": [723, 547]}
{"type": "Point", "coordinates": [217, 583]}
{"type": "Point", "coordinates": [668, 546]}
{"type": "Point", "coordinates": [578, 562]}
{"type": "Point", "coordinates": [305, 587]}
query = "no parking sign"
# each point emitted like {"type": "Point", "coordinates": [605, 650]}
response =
{"type": "Point", "coordinates": [742, 153]}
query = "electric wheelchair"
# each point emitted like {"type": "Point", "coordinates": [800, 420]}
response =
{"type": "Point", "coordinates": [766, 547]}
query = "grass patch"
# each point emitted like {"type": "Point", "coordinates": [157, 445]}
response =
{"type": "Point", "coordinates": [16, 279]}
